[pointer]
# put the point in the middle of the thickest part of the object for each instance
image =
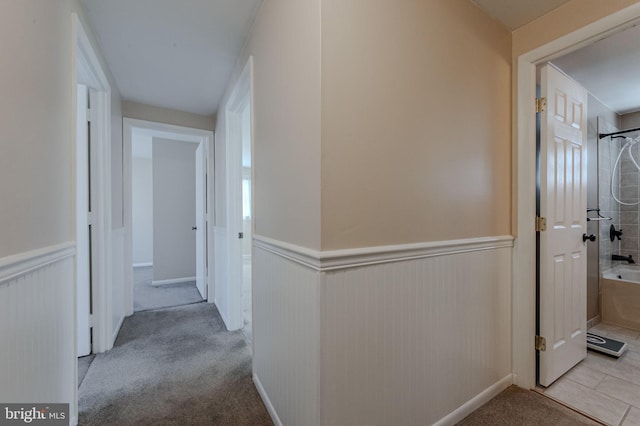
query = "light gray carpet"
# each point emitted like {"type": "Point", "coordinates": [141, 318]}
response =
{"type": "Point", "coordinates": [175, 366]}
{"type": "Point", "coordinates": [147, 296]}
{"type": "Point", "coordinates": [516, 406]}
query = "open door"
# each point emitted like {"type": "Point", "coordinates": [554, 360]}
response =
{"type": "Point", "coordinates": [201, 275]}
{"type": "Point", "coordinates": [563, 196]}
{"type": "Point", "coordinates": [83, 208]}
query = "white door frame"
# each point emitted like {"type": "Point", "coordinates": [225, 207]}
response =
{"type": "Point", "coordinates": [87, 70]}
{"type": "Point", "coordinates": [167, 131]}
{"type": "Point", "coordinates": [524, 257]}
{"type": "Point", "coordinates": [241, 97]}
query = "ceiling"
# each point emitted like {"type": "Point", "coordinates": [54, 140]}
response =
{"type": "Point", "coordinates": [172, 54]}
{"type": "Point", "coordinates": [180, 54]}
{"type": "Point", "coordinates": [609, 69]}
{"type": "Point", "coordinates": [516, 13]}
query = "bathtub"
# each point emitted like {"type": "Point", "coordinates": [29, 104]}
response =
{"type": "Point", "coordinates": [621, 296]}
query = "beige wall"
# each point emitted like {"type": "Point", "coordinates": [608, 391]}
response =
{"type": "Point", "coordinates": [630, 120]}
{"type": "Point", "coordinates": [167, 116]}
{"type": "Point", "coordinates": [36, 152]}
{"type": "Point", "coordinates": [285, 45]}
{"type": "Point", "coordinates": [415, 123]}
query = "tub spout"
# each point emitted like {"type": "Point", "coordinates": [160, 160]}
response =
{"type": "Point", "coordinates": [623, 258]}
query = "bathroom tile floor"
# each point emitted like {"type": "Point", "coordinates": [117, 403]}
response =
{"type": "Point", "coordinates": [604, 387]}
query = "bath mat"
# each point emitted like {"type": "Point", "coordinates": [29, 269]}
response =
{"type": "Point", "coordinates": [605, 345]}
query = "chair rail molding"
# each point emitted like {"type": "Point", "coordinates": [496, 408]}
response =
{"type": "Point", "coordinates": [332, 260]}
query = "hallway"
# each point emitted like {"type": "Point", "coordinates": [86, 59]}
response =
{"type": "Point", "coordinates": [173, 366]}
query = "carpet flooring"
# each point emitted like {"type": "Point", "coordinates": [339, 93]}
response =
{"type": "Point", "coordinates": [174, 366]}
{"type": "Point", "coordinates": [147, 296]}
{"type": "Point", "coordinates": [517, 406]}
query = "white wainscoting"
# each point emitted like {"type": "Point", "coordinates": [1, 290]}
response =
{"type": "Point", "coordinates": [409, 342]}
{"type": "Point", "coordinates": [286, 338]}
{"type": "Point", "coordinates": [416, 334]}
{"type": "Point", "coordinates": [37, 327]}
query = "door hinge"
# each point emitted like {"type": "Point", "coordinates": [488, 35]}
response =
{"type": "Point", "coordinates": [89, 218]}
{"type": "Point", "coordinates": [90, 320]}
{"type": "Point", "coordinates": [541, 104]}
{"type": "Point", "coordinates": [89, 114]}
{"type": "Point", "coordinates": [541, 344]}
{"type": "Point", "coordinates": [541, 224]}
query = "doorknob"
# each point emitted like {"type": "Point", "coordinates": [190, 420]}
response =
{"type": "Point", "coordinates": [586, 237]}
{"type": "Point", "coordinates": [194, 228]}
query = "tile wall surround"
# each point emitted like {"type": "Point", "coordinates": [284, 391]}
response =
{"type": "Point", "coordinates": [608, 151]}
{"type": "Point", "coordinates": [627, 188]}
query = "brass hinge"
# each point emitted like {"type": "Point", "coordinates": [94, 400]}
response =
{"type": "Point", "coordinates": [541, 344]}
{"type": "Point", "coordinates": [541, 104]}
{"type": "Point", "coordinates": [541, 224]}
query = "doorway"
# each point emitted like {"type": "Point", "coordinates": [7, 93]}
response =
{"type": "Point", "coordinates": [597, 385]}
{"type": "Point", "coordinates": [524, 256]}
{"type": "Point", "coordinates": [247, 227]}
{"type": "Point", "coordinates": [235, 225]}
{"type": "Point", "coordinates": [166, 180]}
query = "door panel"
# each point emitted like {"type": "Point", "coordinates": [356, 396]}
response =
{"type": "Point", "coordinates": [563, 197]}
{"type": "Point", "coordinates": [83, 266]}
{"type": "Point", "coordinates": [200, 223]}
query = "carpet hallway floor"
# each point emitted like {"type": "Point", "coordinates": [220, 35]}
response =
{"type": "Point", "coordinates": [174, 366]}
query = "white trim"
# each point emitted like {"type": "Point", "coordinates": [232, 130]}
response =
{"type": "Point", "coordinates": [87, 70]}
{"type": "Point", "coordinates": [241, 97]}
{"type": "Point", "coordinates": [352, 258]}
{"type": "Point", "coordinates": [142, 265]}
{"type": "Point", "coordinates": [267, 402]}
{"type": "Point", "coordinates": [476, 402]}
{"type": "Point", "coordinates": [168, 131]}
{"type": "Point", "coordinates": [524, 278]}
{"type": "Point", "coordinates": [159, 283]}
{"type": "Point", "coordinates": [12, 267]}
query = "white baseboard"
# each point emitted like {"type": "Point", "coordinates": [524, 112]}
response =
{"type": "Point", "coordinates": [267, 401]}
{"type": "Point", "coordinates": [142, 264]}
{"type": "Point", "coordinates": [172, 281]}
{"type": "Point", "coordinates": [476, 402]}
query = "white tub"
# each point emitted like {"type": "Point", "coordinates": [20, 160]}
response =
{"type": "Point", "coordinates": [630, 273]}
{"type": "Point", "coordinates": [621, 296]}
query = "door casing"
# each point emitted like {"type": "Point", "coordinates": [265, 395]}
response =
{"type": "Point", "coordinates": [241, 98]}
{"type": "Point", "coordinates": [88, 71]}
{"type": "Point", "coordinates": [167, 131]}
{"type": "Point", "coordinates": [524, 252]}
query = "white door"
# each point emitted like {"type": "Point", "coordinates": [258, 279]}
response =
{"type": "Point", "coordinates": [201, 276]}
{"type": "Point", "coordinates": [563, 197]}
{"type": "Point", "coordinates": [83, 268]}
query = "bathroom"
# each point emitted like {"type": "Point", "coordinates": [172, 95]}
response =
{"type": "Point", "coordinates": [603, 386]}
